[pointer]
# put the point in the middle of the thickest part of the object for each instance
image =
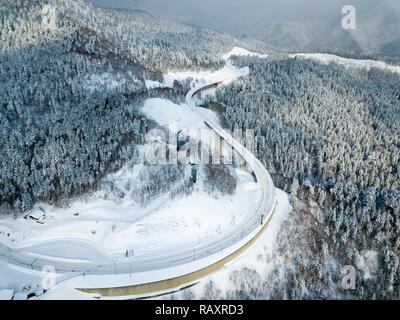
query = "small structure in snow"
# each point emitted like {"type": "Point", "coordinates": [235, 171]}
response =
{"type": "Point", "coordinates": [37, 215]}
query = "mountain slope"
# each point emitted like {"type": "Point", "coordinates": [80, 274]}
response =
{"type": "Point", "coordinates": [73, 80]}
{"type": "Point", "coordinates": [292, 26]}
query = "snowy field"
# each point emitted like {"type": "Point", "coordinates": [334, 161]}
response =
{"type": "Point", "coordinates": [229, 72]}
{"type": "Point", "coordinates": [255, 257]}
{"type": "Point", "coordinates": [115, 227]}
{"type": "Point", "coordinates": [175, 117]}
{"type": "Point", "coordinates": [258, 257]}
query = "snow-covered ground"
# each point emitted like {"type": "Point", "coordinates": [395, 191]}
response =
{"type": "Point", "coordinates": [237, 51]}
{"type": "Point", "coordinates": [257, 257]}
{"type": "Point", "coordinates": [229, 72]}
{"type": "Point", "coordinates": [150, 84]}
{"type": "Point", "coordinates": [354, 63]}
{"type": "Point", "coordinates": [107, 80]}
{"type": "Point", "coordinates": [173, 116]}
{"type": "Point", "coordinates": [254, 257]}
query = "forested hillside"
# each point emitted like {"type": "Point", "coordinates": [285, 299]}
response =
{"type": "Point", "coordinates": [331, 137]}
{"type": "Point", "coordinates": [292, 26]}
{"type": "Point", "coordinates": [72, 81]}
{"type": "Point", "coordinates": [72, 84]}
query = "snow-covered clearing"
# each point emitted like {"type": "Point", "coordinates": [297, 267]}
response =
{"type": "Point", "coordinates": [174, 116]}
{"type": "Point", "coordinates": [257, 257]}
{"type": "Point", "coordinates": [150, 84]}
{"type": "Point", "coordinates": [237, 51]}
{"type": "Point", "coordinates": [229, 72]}
{"type": "Point", "coordinates": [348, 63]}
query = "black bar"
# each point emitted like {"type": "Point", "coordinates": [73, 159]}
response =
{"type": "Point", "coordinates": [168, 309]}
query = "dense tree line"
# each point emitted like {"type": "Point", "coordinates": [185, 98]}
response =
{"type": "Point", "coordinates": [329, 135]}
{"type": "Point", "coordinates": [219, 178]}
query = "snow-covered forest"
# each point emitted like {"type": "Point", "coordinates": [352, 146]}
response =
{"type": "Point", "coordinates": [73, 80]}
{"type": "Point", "coordinates": [330, 137]}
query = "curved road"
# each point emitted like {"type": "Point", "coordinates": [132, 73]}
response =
{"type": "Point", "coordinates": [105, 265]}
